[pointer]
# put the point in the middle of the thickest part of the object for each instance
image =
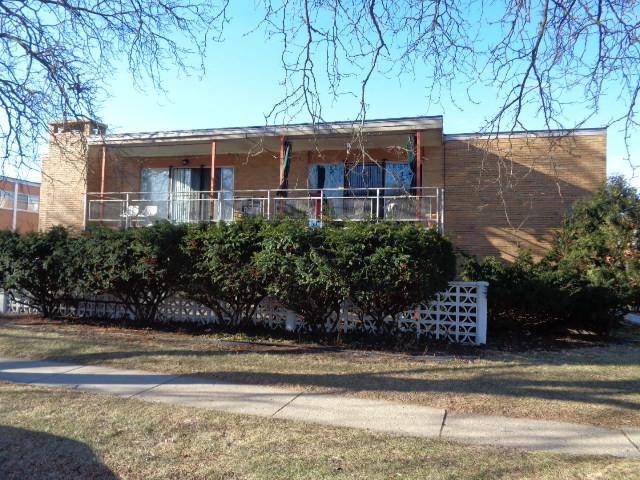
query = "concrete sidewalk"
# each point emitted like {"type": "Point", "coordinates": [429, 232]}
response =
{"type": "Point", "coordinates": [328, 409]}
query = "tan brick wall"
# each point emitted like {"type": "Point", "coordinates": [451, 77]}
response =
{"type": "Point", "coordinates": [433, 166]}
{"type": "Point", "coordinates": [511, 193]}
{"type": "Point", "coordinates": [63, 181]}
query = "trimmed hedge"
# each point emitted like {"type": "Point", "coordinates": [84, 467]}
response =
{"type": "Point", "coordinates": [223, 273]}
{"type": "Point", "coordinates": [300, 265]}
{"type": "Point", "coordinates": [391, 269]}
{"type": "Point", "coordinates": [48, 268]}
{"type": "Point", "coordinates": [141, 267]}
{"type": "Point", "coordinates": [532, 297]}
{"type": "Point", "coordinates": [383, 268]}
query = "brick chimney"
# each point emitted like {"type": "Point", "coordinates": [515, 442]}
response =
{"type": "Point", "coordinates": [64, 173]}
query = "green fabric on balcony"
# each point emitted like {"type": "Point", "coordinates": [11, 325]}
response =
{"type": "Point", "coordinates": [411, 160]}
{"type": "Point", "coordinates": [286, 164]}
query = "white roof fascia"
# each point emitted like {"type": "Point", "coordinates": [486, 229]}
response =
{"type": "Point", "coordinates": [28, 183]}
{"type": "Point", "coordinates": [530, 134]}
{"type": "Point", "coordinates": [335, 128]}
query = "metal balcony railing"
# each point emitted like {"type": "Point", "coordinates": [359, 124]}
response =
{"type": "Point", "coordinates": [132, 209]}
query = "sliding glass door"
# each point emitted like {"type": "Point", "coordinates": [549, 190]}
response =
{"type": "Point", "coordinates": [363, 191]}
{"type": "Point", "coordinates": [182, 195]}
{"type": "Point", "coordinates": [224, 185]}
{"type": "Point", "coordinates": [330, 179]}
{"type": "Point", "coordinates": [154, 199]}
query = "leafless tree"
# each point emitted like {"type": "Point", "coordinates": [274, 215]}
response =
{"type": "Point", "coordinates": [57, 55]}
{"type": "Point", "coordinates": [542, 55]}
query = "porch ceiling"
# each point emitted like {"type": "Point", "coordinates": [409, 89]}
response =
{"type": "Point", "coordinates": [271, 144]}
{"type": "Point", "coordinates": [303, 137]}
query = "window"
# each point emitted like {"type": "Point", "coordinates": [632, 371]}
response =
{"type": "Point", "coordinates": [27, 203]}
{"type": "Point", "coordinates": [348, 189]}
{"type": "Point", "coordinates": [6, 199]}
{"type": "Point", "coordinates": [399, 178]}
{"type": "Point", "coordinates": [361, 178]}
{"type": "Point", "coordinates": [34, 203]}
{"type": "Point", "coordinates": [182, 194]}
{"type": "Point", "coordinates": [23, 201]}
{"type": "Point", "coordinates": [330, 177]}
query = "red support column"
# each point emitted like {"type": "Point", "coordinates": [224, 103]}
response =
{"type": "Point", "coordinates": [419, 175]}
{"type": "Point", "coordinates": [103, 170]}
{"type": "Point", "coordinates": [213, 180]}
{"type": "Point", "coordinates": [419, 159]}
{"type": "Point", "coordinates": [282, 145]}
{"type": "Point", "coordinates": [279, 206]}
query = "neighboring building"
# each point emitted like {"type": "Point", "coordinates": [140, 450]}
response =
{"type": "Point", "coordinates": [19, 202]}
{"type": "Point", "coordinates": [490, 195]}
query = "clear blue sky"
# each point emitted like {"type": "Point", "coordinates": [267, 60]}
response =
{"type": "Point", "coordinates": [243, 81]}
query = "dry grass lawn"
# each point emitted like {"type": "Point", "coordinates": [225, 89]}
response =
{"type": "Point", "coordinates": [595, 385]}
{"type": "Point", "coordinates": [49, 433]}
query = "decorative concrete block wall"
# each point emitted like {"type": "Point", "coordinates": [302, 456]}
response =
{"type": "Point", "coordinates": [457, 315]}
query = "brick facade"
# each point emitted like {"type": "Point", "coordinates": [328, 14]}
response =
{"type": "Point", "coordinates": [64, 175]}
{"type": "Point", "coordinates": [501, 194]}
{"type": "Point", "coordinates": [510, 193]}
{"type": "Point", "coordinates": [25, 220]}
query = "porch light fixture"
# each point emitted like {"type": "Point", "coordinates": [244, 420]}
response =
{"type": "Point", "coordinates": [185, 161]}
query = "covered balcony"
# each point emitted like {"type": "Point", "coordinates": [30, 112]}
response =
{"type": "Point", "coordinates": [382, 170]}
{"type": "Point", "coordinates": [134, 209]}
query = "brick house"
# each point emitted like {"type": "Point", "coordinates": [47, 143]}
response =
{"type": "Point", "coordinates": [19, 200]}
{"type": "Point", "coordinates": [492, 195]}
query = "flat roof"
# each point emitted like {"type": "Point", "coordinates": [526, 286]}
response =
{"type": "Point", "coordinates": [526, 133]}
{"type": "Point", "coordinates": [374, 126]}
{"type": "Point", "coordinates": [4, 178]}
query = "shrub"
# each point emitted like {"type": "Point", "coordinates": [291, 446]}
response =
{"type": "Point", "coordinates": [389, 268]}
{"type": "Point", "coordinates": [536, 296]}
{"type": "Point", "coordinates": [385, 269]}
{"type": "Point", "coordinates": [299, 263]}
{"type": "Point", "coordinates": [141, 267]}
{"type": "Point", "coordinates": [224, 274]}
{"type": "Point", "coordinates": [589, 275]}
{"type": "Point", "coordinates": [8, 241]}
{"type": "Point", "coordinates": [45, 267]}
{"type": "Point", "coordinates": [600, 241]}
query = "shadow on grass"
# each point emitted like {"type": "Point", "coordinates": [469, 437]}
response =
{"type": "Point", "coordinates": [39, 455]}
{"type": "Point", "coordinates": [609, 393]}
{"type": "Point", "coordinates": [506, 376]}
{"type": "Point", "coordinates": [497, 381]}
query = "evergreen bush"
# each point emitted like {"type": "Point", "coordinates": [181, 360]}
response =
{"type": "Point", "coordinates": [224, 275]}
{"type": "Point", "coordinates": [300, 265]}
{"type": "Point", "coordinates": [389, 267]}
{"type": "Point", "coordinates": [47, 268]}
{"type": "Point", "coordinates": [383, 269]}
{"type": "Point", "coordinates": [587, 279]}
{"type": "Point", "coordinates": [141, 267]}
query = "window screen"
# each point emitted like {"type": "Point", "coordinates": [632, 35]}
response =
{"type": "Point", "coordinates": [6, 199]}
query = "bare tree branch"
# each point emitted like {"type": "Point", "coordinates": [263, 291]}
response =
{"type": "Point", "coordinates": [543, 57]}
{"type": "Point", "coordinates": [57, 55]}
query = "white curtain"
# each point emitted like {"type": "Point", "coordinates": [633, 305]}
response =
{"type": "Point", "coordinates": [155, 188]}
